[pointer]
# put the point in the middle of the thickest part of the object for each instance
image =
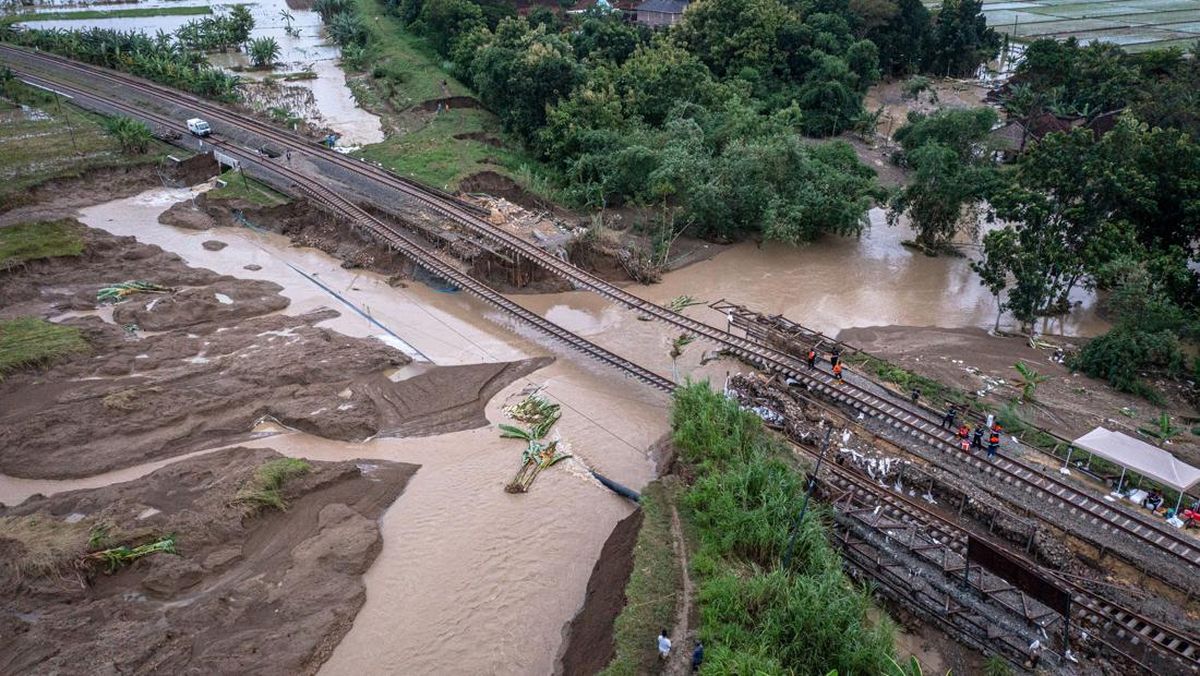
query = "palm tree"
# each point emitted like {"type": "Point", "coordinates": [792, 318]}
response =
{"type": "Point", "coordinates": [263, 52]}
{"type": "Point", "coordinates": [1029, 380]}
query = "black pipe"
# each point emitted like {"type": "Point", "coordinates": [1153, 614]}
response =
{"type": "Point", "coordinates": [616, 487]}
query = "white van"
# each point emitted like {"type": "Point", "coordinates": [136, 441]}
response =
{"type": "Point", "coordinates": [198, 127]}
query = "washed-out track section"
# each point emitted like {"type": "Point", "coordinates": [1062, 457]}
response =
{"type": "Point", "coordinates": [1121, 629]}
{"type": "Point", "coordinates": [393, 237]}
{"type": "Point", "coordinates": [1136, 626]}
{"type": "Point", "coordinates": [1056, 494]}
{"type": "Point", "coordinates": [918, 422]}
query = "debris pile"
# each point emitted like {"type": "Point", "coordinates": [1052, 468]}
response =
{"type": "Point", "coordinates": [539, 227]}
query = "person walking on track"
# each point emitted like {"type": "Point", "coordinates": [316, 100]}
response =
{"type": "Point", "coordinates": [811, 357]}
{"type": "Point", "coordinates": [993, 444]}
{"type": "Point", "coordinates": [977, 437]}
{"type": "Point", "coordinates": [949, 417]}
{"type": "Point", "coordinates": [837, 372]}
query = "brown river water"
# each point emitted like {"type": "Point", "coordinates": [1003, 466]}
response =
{"type": "Point", "coordinates": [472, 579]}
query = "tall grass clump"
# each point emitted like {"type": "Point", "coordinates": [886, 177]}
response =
{"type": "Point", "coordinates": [263, 489]}
{"type": "Point", "coordinates": [29, 342]}
{"type": "Point", "coordinates": [756, 617]}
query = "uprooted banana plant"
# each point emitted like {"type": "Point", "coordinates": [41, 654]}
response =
{"type": "Point", "coordinates": [541, 415]}
{"type": "Point", "coordinates": [115, 557]}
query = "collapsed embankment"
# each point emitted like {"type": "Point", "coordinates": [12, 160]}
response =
{"type": "Point", "coordinates": [198, 366]}
{"type": "Point", "coordinates": [248, 587]}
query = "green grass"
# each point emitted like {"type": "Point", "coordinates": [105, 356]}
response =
{"type": "Point", "coordinates": [29, 342]}
{"type": "Point", "coordinates": [432, 155]}
{"type": "Point", "coordinates": [240, 186]}
{"type": "Point", "coordinates": [52, 140]}
{"type": "Point", "coordinates": [931, 390]}
{"type": "Point", "coordinates": [651, 592]}
{"type": "Point", "coordinates": [405, 56]}
{"type": "Point", "coordinates": [403, 71]}
{"type": "Point", "coordinates": [756, 616]}
{"type": "Point", "coordinates": [107, 14]}
{"type": "Point", "coordinates": [44, 239]}
{"type": "Point", "coordinates": [263, 489]}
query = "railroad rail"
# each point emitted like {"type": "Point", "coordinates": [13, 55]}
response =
{"type": "Point", "coordinates": [895, 414]}
{"type": "Point", "coordinates": [916, 421]}
{"type": "Point", "coordinates": [396, 239]}
{"type": "Point", "coordinates": [1095, 612]}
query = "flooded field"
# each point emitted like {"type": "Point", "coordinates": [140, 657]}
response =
{"type": "Point", "coordinates": [1136, 25]}
{"type": "Point", "coordinates": [324, 99]}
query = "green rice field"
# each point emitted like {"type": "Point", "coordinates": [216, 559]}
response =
{"type": "Point", "coordinates": [1136, 25]}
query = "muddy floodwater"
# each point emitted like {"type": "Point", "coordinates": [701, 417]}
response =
{"type": "Point", "coordinates": [475, 580]}
{"type": "Point", "coordinates": [324, 99]}
{"type": "Point", "coordinates": [834, 284]}
{"type": "Point", "coordinates": [470, 579]}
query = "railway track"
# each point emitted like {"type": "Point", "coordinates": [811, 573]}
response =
{"type": "Point", "coordinates": [1092, 610]}
{"type": "Point", "coordinates": [396, 239]}
{"type": "Point", "coordinates": [1056, 494]}
{"type": "Point", "coordinates": [918, 422]}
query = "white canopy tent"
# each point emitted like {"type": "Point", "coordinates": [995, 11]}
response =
{"type": "Point", "coordinates": [1141, 457]}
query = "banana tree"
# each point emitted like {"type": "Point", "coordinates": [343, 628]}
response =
{"type": "Point", "coordinates": [1028, 381]}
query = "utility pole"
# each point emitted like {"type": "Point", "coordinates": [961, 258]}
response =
{"type": "Point", "coordinates": [812, 484]}
{"type": "Point", "coordinates": [61, 111]}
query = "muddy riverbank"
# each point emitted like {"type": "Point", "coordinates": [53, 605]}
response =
{"type": "Point", "coordinates": [244, 591]}
{"type": "Point", "coordinates": [462, 563]}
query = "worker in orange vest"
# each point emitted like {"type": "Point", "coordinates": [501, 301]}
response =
{"type": "Point", "coordinates": [812, 357]}
{"type": "Point", "coordinates": [837, 372]}
{"type": "Point", "coordinates": [993, 443]}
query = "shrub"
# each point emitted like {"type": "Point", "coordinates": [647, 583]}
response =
{"type": "Point", "coordinates": [1120, 356]}
{"type": "Point", "coordinates": [133, 135]}
{"type": "Point", "coordinates": [263, 51]}
{"type": "Point", "coordinates": [348, 29]}
{"type": "Point", "coordinates": [263, 489]}
{"type": "Point", "coordinates": [755, 616]}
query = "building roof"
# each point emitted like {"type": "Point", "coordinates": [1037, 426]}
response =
{"type": "Point", "coordinates": [1046, 123]}
{"type": "Point", "coordinates": [663, 6]}
{"type": "Point", "coordinates": [1141, 457]}
{"type": "Point", "coordinates": [1009, 137]}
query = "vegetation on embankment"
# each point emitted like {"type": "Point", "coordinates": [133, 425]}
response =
{"type": "Point", "coordinates": [29, 342]}
{"type": "Point", "coordinates": [174, 61]}
{"type": "Point", "coordinates": [80, 15]}
{"type": "Point", "coordinates": [239, 186]}
{"type": "Point", "coordinates": [399, 76]}
{"type": "Point", "coordinates": [43, 138]}
{"type": "Point", "coordinates": [652, 591]}
{"type": "Point", "coordinates": [756, 616]}
{"type": "Point", "coordinates": [43, 239]}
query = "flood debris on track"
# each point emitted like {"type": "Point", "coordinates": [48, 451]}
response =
{"type": "Point", "coordinates": [287, 582]}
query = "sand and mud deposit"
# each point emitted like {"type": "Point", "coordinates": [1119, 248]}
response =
{"type": "Point", "coordinates": [242, 588]}
{"type": "Point", "coordinates": [256, 339]}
